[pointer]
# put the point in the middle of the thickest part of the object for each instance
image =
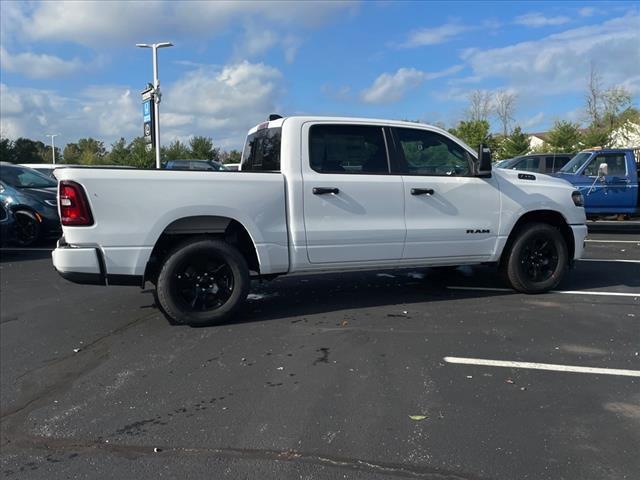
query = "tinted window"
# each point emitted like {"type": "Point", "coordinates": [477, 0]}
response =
{"type": "Point", "coordinates": [262, 151]}
{"type": "Point", "coordinates": [555, 163]}
{"type": "Point", "coordinates": [528, 164]}
{"type": "Point", "coordinates": [429, 153]}
{"type": "Point", "coordinates": [615, 162]}
{"type": "Point", "coordinates": [22, 177]}
{"type": "Point", "coordinates": [347, 149]}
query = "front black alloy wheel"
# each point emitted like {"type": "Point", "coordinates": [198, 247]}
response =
{"type": "Point", "coordinates": [537, 260]}
{"type": "Point", "coordinates": [202, 282]}
{"type": "Point", "coordinates": [27, 228]}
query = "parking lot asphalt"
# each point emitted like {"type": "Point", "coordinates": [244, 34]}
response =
{"type": "Point", "coordinates": [327, 376]}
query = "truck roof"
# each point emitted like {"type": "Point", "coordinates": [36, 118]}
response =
{"type": "Point", "coordinates": [311, 118]}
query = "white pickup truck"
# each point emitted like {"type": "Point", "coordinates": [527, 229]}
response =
{"type": "Point", "coordinates": [314, 194]}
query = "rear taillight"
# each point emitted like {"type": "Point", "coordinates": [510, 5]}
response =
{"type": "Point", "coordinates": [74, 207]}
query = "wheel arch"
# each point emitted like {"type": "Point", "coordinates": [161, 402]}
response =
{"type": "Point", "coordinates": [226, 228]}
{"type": "Point", "coordinates": [550, 217]}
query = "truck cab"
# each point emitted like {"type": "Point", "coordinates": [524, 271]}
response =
{"type": "Point", "coordinates": [607, 179]}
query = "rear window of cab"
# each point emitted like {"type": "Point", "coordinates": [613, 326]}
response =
{"type": "Point", "coordinates": [262, 151]}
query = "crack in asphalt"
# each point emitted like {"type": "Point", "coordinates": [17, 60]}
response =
{"type": "Point", "coordinates": [73, 369]}
{"type": "Point", "coordinates": [135, 451]}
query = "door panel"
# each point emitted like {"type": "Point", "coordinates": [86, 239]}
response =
{"type": "Point", "coordinates": [363, 222]}
{"type": "Point", "coordinates": [447, 212]}
{"type": "Point", "coordinates": [460, 218]}
{"type": "Point", "coordinates": [353, 207]}
{"type": "Point", "coordinates": [614, 191]}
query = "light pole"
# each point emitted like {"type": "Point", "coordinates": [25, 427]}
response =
{"type": "Point", "coordinates": [156, 92]}
{"type": "Point", "coordinates": [53, 145]}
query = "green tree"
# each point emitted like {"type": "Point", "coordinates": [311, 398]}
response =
{"type": "Point", "coordinates": [233, 156]}
{"type": "Point", "coordinates": [616, 100]}
{"type": "Point", "coordinates": [139, 156]}
{"type": "Point", "coordinates": [92, 151]}
{"type": "Point", "coordinates": [595, 137]}
{"type": "Point", "coordinates": [119, 154]}
{"type": "Point", "coordinates": [7, 152]}
{"type": "Point", "coordinates": [27, 151]}
{"type": "Point", "coordinates": [71, 153]}
{"type": "Point", "coordinates": [473, 133]}
{"type": "Point", "coordinates": [202, 148]}
{"type": "Point", "coordinates": [176, 151]}
{"type": "Point", "coordinates": [514, 145]}
{"type": "Point", "coordinates": [564, 137]}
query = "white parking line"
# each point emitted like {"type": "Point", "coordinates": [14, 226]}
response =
{"type": "Point", "coordinates": [570, 292]}
{"type": "Point", "coordinates": [607, 260]}
{"type": "Point", "coordinates": [637, 242]}
{"type": "Point", "coordinates": [542, 366]}
{"type": "Point", "coordinates": [17, 249]}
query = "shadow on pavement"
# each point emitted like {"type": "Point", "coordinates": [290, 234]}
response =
{"type": "Point", "coordinates": [298, 296]}
{"type": "Point", "coordinates": [12, 255]}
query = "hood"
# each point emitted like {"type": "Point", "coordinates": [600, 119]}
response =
{"type": "Point", "coordinates": [520, 177]}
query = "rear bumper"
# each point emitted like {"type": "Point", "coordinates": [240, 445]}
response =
{"type": "Point", "coordinates": [579, 236]}
{"type": "Point", "coordinates": [86, 265]}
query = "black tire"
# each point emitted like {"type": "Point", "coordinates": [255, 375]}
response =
{"type": "Point", "coordinates": [202, 282]}
{"type": "Point", "coordinates": [27, 228]}
{"type": "Point", "coordinates": [537, 259]}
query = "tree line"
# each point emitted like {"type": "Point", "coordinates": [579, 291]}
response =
{"type": "Point", "coordinates": [89, 151]}
{"type": "Point", "coordinates": [606, 110]}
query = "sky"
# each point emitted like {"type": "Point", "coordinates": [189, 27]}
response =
{"type": "Point", "coordinates": [72, 68]}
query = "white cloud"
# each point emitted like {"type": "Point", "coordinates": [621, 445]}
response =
{"type": "Point", "coordinates": [95, 23]}
{"type": "Point", "coordinates": [537, 20]}
{"type": "Point", "coordinates": [559, 63]}
{"type": "Point", "coordinates": [34, 65]}
{"type": "Point", "coordinates": [586, 11]}
{"type": "Point", "coordinates": [531, 122]}
{"type": "Point", "coordinates": [391, 87]}
{"type": "Point", "coordinates": [228, 101]}
{"type": "Point", "coordinates": [258, 40]}
{"type": "Point", "coordinates": [222, 103]}
{"type": "Point", "coordinates": [435, 35]}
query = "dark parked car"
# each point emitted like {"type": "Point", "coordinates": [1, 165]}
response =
{"type": "Point", "coordinates": [29, 199]}
{"type": "Point", "coordinates": [194, 165]}
{"type": "Point", "coordinates": [538, 162]}
{"type": "Point", "coordinates": [7, 226]}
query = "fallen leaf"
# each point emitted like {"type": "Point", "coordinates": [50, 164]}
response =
{"type": "Point", "coordinates": [344, 323]}
{"type": "Point", "coordinates": [417, 418]}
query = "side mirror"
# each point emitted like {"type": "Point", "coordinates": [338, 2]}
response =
{"type": "Point", "coordinates": [603, 170]}
{"type": "Point", "coordinates": [483, 167]}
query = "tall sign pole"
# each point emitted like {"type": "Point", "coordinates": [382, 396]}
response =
{"type": "Point", "coordinates": [155, 96]}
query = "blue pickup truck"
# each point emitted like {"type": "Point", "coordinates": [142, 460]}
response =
{"type": "Point", "coordinates": [607, 179]}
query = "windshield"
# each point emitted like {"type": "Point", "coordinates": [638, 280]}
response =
{"type": "Point", "coordinates": [576, 162]}
{"type": "Point", "coordinates": [22, 177]}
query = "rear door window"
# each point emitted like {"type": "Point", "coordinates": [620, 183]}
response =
{"type": "Point", "coordinates": [553, 164]}
{"type": "Point", "coordinates": [262, 151]}
{"type": "Point", "coordinates": [352, 149]}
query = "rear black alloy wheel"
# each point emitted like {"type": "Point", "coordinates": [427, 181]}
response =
{"type": "Point", "coordinates": [27, 228]}
{"type": "Point", "coordinates": [537, 259]}
{"type": "Point", "coordinates": [202, 282]}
